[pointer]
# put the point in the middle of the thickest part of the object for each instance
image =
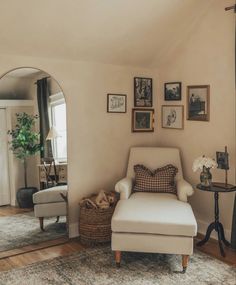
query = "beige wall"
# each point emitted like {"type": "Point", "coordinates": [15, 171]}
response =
{"type": "Point", "coordinates": [98, 142]}
{"type": "Point", "coordinates": [206, 57]}
{"type": "Point", "coordinates": [15, 88]}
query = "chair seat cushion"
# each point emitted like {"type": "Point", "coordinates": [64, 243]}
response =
{"type": "Point", "coordinates": [154, 213]}
{"type": "Point", "coordinates": [50, 195]}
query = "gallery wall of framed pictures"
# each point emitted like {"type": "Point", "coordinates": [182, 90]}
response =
{"type": "Point", "coordinates": [142, 119]}
{"type": "Point", "coordinates": [172, 113]}
{"type": "Point", "coordinates": [197, 105]}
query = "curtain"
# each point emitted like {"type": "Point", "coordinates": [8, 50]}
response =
{"type": "Point", "coordinates": [43, 98]}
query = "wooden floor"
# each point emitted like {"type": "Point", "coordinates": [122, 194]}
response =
{"type": "Point", "coordinates": [33, 247]}
{"type": "Point", "coordinates": [10, 211]}
{"type": "Point", "coordinates": [212, 248]}
{"type": "Point", "coordinates": [40, 255]}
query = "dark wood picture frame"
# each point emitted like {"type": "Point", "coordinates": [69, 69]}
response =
{"type": "Point", "coordinates": [142, 92]}
{"type": "Point", "coordinates": [222, 159]}
{"type": "Point", "coordinates": [198, 109]}
{"type": "Point", "coordinates": [174, 94]}
{"type": "Point", "coordinates": [116, 108]}
{"type": "Point", "coordinates": [172, 117]}
{"type": "Point", "coordinates": [148, 126]}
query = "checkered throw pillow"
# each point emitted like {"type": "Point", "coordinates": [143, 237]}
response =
{"type": "Point", "coordinates": [160, 180]}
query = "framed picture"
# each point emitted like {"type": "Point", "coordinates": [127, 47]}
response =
{"type": "Point", "coordinates": [173, 117]}
{"type": "Point", "coordinates": [142, 120]}
{"type": "Point", "coordinates": [116, 103]}
{"type": "Point", "coordinates": [142, 92]}
{"type": "Point", "coordinates": [172, 91]}
{"type": "Point", "coordinates": [198, 103]}
{"type": "Point", "coordinates": [222, 159]}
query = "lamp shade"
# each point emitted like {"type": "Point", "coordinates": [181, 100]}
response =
{"type": "Point", "coordinates": [52, 134]}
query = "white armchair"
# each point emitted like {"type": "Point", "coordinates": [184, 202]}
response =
{"type": "Point", "coordinates": [49, 203]}
{"type": "Point", "coordinates": [153, 222]}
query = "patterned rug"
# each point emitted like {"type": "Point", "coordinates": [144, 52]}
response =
{"type": "Point", "coordinates": [23, 229]}
{"type": "Point", "coordinates": [95, 266]}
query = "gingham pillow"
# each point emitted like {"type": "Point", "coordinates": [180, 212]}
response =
{"type": "Point", "coordinates": [160, 180]}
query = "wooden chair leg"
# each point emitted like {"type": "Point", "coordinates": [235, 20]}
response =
{"type": "Point", "coordinates": [118, 257]}
{"type": "Point", "coordinates": [185, 259]}
{"type": "Point", "coordinates": [41, 223]}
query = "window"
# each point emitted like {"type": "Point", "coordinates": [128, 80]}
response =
{"type": "Point", "coordinates": [58, 120]}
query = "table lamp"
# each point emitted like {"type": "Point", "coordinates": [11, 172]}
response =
{"type": "Point", "coordinates": [52, 134]}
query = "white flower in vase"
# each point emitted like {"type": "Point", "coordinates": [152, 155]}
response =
{"type": "Point", "coordinates": [204, 164]}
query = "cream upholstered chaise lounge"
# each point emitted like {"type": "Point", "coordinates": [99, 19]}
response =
{"type": "Point", "coordinates": [50, 203]}
{"type": "Point", "coordinates": [153, 222]}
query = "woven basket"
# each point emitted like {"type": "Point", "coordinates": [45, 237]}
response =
{"type": "Point", "coordinates": [95, 225]}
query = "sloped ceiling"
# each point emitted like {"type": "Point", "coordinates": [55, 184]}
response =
{"type": "Point", "coordinates": [124, 32]}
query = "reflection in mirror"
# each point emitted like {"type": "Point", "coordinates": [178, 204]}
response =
{"type": "Point", "coordinates": [33, 154]}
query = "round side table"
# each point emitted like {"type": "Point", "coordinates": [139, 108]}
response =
{"type": "Point", "coordinates": [216, 225]}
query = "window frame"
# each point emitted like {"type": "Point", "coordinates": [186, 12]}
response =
{"type": "Point", "coordinates": [55, 100]}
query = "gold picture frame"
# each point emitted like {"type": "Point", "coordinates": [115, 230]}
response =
{"type": "Point", "coordinates": [142, 120]}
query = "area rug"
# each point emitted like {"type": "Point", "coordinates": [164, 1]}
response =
{"type": "Point", "coordinates": [23, 229]}
{"type": "Point", "coordinates": [96, 266]}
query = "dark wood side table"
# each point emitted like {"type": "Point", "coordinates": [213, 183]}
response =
{"type": "Point", "coordinates": [216, 225]}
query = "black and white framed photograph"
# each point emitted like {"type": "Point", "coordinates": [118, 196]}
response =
{"type": "Point", "coordinates": [222, 159]}
{"type": "Point", "coordinates": [142, 92]}
{"type": "Point", "coordinates": [198, 103]}
{"type": "Point", "coordinates": [173, 91]}
{"type": "Point", "coordinates": [116, 103]}
{"type": "Point", "coordinates": [173, 117]}
{"type": "Point", "coordinates": [142, 120]}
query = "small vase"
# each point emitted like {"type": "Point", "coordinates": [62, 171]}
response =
{"type": "Point", "coordinates": [206, 177]}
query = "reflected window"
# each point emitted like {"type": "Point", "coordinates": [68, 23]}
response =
{"type": "Point", "coordinates": [58, 121]}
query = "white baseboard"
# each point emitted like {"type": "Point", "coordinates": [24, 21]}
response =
{"type": "Point", "coordinates": [202, 227]}
{"type": "Point", "coordinates": [73, 230]}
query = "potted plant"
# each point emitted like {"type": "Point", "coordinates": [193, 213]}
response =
{"type": "Point", "coordinates": [25, 143]}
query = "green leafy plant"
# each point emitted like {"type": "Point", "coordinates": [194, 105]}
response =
{"type": "Point", "coordinates": [25, 141]}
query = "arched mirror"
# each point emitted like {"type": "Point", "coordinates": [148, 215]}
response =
{"type": "Point", "coordinates": [33, 155]}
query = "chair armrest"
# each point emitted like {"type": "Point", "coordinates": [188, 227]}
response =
{"type": "Point", "coordinates": [184, 189]}
{"type": "Point", "coordinates": [124, 187]}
